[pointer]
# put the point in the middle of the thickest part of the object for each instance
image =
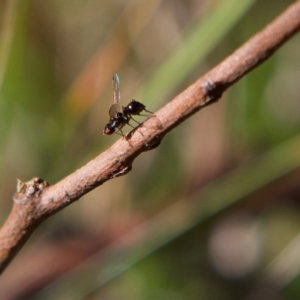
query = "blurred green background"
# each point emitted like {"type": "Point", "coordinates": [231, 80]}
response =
{"type": "Point", "coordinates": [213, 213]}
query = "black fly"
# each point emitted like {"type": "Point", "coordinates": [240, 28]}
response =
{"type": "Point", "coordinates": [118, 119]}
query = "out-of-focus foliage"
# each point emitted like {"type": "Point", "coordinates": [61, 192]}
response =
{"type": "Point", "coordinates": [213, 213]}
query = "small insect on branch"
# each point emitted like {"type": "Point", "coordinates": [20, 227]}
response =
{"type": "Point", "coordinates": [117, 118]}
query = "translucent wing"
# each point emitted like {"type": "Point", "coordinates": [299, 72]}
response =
{"type": "Point", "coordinates": [115, 108]}
{"type": "Point", "coordinates": [116, 88]}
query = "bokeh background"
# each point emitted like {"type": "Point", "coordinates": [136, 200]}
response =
{"type": "Point", "coordinates": [213, 213]}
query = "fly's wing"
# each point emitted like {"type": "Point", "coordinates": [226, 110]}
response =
{"type": "Point", "coordinates": [115, 108]}
{"type": "Point", "coordinates": [116, 88]}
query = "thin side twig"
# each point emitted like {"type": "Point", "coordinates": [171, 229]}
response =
{"type": "Point", "coordinates": [35, 200]}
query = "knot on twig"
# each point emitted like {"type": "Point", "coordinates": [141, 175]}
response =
{"type": "Point", "coordinates": [212, 91]}
{"type": "Point", "coordinates": [155, 142]}
{"type": "Point", "coordinates": [27, 189]}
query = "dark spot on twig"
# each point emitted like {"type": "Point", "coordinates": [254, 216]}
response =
{"type": "Point", "coordinates": [121, 172]}
{"type": "Point", "coordinates": [67, 199]}
{"type": "Point", "coordinates": [212, 91]}
{"type": "Point", "coordinates": [155, 142]}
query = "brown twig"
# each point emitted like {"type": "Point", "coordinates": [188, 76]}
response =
{"type": "Point", "coordinates": [35, 200]}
